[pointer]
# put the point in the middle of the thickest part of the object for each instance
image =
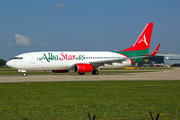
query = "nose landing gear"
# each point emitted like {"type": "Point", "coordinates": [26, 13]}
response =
{"type": "Point", "coordinates": [24, 74]}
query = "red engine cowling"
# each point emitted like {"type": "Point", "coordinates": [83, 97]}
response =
{"type": "Point", "coordinates": [60, 71]}
{"type": "Point", "coordinates": [83, 68]}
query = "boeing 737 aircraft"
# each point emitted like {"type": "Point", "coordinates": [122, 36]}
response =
{"type": "Point", "coordinates": [83, 62]}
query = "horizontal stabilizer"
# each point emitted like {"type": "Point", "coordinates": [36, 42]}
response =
{"type": "Point", "coordinates": [165, 51]}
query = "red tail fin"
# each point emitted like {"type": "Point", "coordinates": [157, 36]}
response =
{"type": "Point", "coordinates": [143, 42]}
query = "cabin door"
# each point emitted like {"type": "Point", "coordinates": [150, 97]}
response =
{"type": "Point", "coordinates": [32, 59]}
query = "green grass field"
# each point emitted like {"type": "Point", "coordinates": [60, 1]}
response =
{"type": "Point", "coordinates": [107, 99]}
{"type": "Point", "coordinates": [49, 95]}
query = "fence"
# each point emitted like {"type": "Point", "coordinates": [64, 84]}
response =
{"type": "Point", "coordinates": [102, 112]}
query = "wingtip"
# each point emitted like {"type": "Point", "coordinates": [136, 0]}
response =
{"type": "Point", "coordinates": [155, 50]}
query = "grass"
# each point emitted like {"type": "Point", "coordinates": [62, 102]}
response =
{"type": "Point", "coordinates": [137, 97]}
{"type": "Point", "coordinates": [48, 95]}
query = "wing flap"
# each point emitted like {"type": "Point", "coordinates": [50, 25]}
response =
{"type": "Point", "coordinates": [109, 62]}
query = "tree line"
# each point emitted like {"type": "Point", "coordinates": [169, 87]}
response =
{"type": "Point", "coordinates": [2, 62]}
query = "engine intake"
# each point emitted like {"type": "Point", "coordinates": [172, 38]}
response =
{"type": "Point", "coordinates": [83, 68]}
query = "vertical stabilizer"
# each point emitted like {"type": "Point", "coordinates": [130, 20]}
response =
{"type": "Point", "coordinates": [143, 42]}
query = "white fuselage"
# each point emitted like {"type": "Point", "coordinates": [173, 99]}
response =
{"type": "Point", "coordinates": [82, 62]}
{"type": "Point", "coordinates": [63, 60]}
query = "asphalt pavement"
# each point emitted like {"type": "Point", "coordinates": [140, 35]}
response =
{"type": "Point", "coordinates": [165, 74]}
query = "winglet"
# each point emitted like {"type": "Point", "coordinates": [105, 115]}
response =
{"type": "Point", "coordinates": [155, 51]}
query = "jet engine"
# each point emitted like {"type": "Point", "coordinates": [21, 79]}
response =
{"type": "Point", "coordinates": [83, 68]}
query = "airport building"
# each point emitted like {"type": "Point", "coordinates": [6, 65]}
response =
{"type": "Point", "coordinates": [161, 59]}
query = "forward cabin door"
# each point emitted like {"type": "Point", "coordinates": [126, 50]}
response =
{"type": "Point", "coordinates": [32, 59]}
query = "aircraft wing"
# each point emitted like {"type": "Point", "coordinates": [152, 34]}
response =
{"type": "Point", "coordinates": [154, 52]}
{"type": "Point", "coordinates": [101, 63]}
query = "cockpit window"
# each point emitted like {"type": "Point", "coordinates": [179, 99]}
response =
{"type": "Point", "coordinates": [19, 58]}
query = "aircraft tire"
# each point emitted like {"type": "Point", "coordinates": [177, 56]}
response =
{"type": "Point", "coordinates": [24, 74]}
{"type": "Point", "coordinates": [95, 72]}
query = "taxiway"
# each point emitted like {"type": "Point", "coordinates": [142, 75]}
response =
{"type": "Point", "coordinates": [166, 74]}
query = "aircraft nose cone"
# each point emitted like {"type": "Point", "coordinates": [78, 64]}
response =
{"type": "Point", "coordinates": [9, 64]}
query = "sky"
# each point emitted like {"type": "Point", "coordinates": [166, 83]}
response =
{"type": "Point", "coordinates": [94, 25]}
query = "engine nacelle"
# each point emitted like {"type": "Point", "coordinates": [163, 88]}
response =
{"type": "Point", "coordinates": [83, 68]}
{"type": "Point", "coordinates": [60, 71]}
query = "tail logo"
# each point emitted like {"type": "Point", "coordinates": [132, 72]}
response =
{"type": "Point", "coordinates": [143, 40]}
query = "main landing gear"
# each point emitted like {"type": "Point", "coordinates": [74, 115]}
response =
{"type": "Point", "coordinates": [95, 72]}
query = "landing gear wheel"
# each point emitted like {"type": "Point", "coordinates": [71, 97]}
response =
{"type": "Point", "coordinates": [81, 73]}
{"type": "Point", "coordinates": [95, 72]}
{"type": "Point", "coordinates": [24, 74]}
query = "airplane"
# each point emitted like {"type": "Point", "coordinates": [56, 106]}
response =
{"type": "Point", "coordinates": [85, 61]}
